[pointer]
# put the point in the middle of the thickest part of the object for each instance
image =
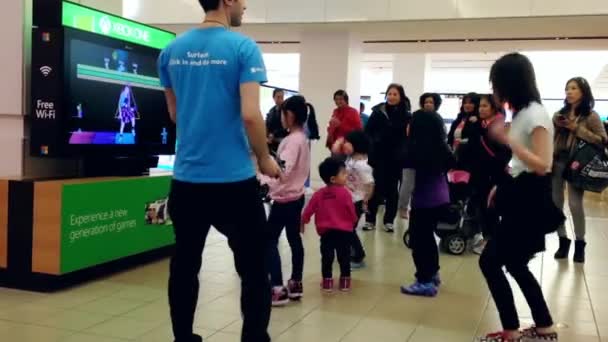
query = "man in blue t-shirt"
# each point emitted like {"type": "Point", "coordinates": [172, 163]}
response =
{"type": "Point", "coordinates": [364, 117]}
{"type": "Point", "coordinates": [212, 82]}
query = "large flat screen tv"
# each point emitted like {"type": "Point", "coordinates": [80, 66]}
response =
{"type": "Point", "coordinates": [113, 98]}
{"type": "Point", "coordinates": [95, 86]}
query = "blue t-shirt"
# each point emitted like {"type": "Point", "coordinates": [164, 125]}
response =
{"type": "Point", "coordinates": [205, 68]}
{"type": "Point", "coordinates": [364, 119]}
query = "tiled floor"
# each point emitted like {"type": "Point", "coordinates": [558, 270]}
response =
{"type": "Point", "coordinates": [132, 305]}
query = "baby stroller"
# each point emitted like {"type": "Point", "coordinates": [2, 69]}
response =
{"type": "Point", "coordinates": [457, 221]}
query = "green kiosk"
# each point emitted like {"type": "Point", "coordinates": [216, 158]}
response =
{"type": "Point", "coordinates": [96, 98]}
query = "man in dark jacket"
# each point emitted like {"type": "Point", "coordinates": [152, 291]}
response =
{"type": "Point", "coordinates": [274, 127]}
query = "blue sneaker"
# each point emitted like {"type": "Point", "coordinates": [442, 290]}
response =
{"type": "Point", "coordinates": [436, 280]}
{"type": "Point", "coordinates": [420, 289]}
{"type": "Point", "coordinates": [357, 265]}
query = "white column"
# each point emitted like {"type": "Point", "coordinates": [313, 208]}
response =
{"type": "Point", "coordinates": [328, 62]}
{"type": "Point", "coordinates": [409, 69]}
{"type": "Point", "coordinates": [12, 18]}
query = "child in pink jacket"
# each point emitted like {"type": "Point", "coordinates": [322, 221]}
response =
{"type": "Point", "coordinates": [287, 194]}
{"type": "Point", "coordinates": [334, 213]}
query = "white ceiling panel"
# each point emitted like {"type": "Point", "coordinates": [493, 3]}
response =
{"type": "Point", "coordinates": [295, 11]}
{"type": "Point", "coordinates": [317, 11]}
{"type": "Point", "coordinates": [256, 11]}
{"type": "Point", "coordinates": [356, 10]}
{"type": "Point", "coordinates": [429, 9]}
{"type": "Point", "coordinates": [488, 9]}
{"type": "Point", "coordinates": [568, 7]}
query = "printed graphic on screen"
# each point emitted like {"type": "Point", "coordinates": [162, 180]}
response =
{"type": "Point", "coordinates": [115, 97]}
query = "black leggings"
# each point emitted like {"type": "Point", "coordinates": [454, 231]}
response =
{"type": "Point", "coordinates": [358, 252]}
{"type": "Point", "coordinates": [194, 208]}
{"type": "Point", "coordinates": [487, 218]}
{"type": "Point", "coordinates": [335, 242]}
{"type": "Point", "coordinates": [491, 263]}
{"type": "Point", "coordinates": [386, 189]}
{"type": "Point", "coordinates": [286, 215]}
{"type": "Point", "coordinates": [423, 223]}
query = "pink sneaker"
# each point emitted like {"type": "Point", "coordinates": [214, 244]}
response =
{"type": "Point", "coordinates": [296, 290]}
{"type": "Point", "coordinates": [280, 296]}
{"type": "Point", "coordinates": [327, 285]}
{"type": "Point", "coordinates": [345, 284]}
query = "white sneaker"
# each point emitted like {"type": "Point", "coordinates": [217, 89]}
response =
{"type": "Point", "coordinates": [369, 226]}
{"type": "Point", "coordinates": [479, 246]}
{"type": "Point", "coordinates": [479, 249]}
{"type": "Point", "coordinates": [477, 240]}
{"type": "Point", "coordinates": [389, 228]}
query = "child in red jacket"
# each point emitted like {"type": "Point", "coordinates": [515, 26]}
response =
{"type": "Point", "coordinates": [334, 213]}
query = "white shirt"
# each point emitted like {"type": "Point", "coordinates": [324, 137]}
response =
{"type": "Point", "coordinates": [360, 175]}
{"type": "Point", "coordinates": [528, 119]}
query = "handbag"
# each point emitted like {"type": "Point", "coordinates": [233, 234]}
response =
{"type": "Point", "coordinates": [587, 169]}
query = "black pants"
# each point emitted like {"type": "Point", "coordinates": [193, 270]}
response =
{"type": "Point", "coordinates": [386, 189]}
{"type": "Point", "coordinates": [491, 263]}
{"type": "Point", "coordinates": [236, 211]}
{"type": "Point", "coordinates": [285, 215]}
{"type": "Point", "coordinates": [335, 242]}
{"type": "Point", "coordinates": [487, 218]}
{"type": "Point", "coordinates": [423, 223]}
{"type": "Point", "coordinates": [358, 252]}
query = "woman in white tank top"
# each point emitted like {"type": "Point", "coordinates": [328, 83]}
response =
{"type": "Point", "coordinates": [523, 201]}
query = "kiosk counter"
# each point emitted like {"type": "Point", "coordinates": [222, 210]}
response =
{"type": "Point", "coordinates": [58, 231]}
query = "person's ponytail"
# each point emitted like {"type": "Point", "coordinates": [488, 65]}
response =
{"type": "Point", "coordinates": [311, 122]}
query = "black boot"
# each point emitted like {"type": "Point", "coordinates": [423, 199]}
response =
{"type": "Point", "coordinates": [579, 251]}
{"type": "Point", "coordinates": [564, 248]}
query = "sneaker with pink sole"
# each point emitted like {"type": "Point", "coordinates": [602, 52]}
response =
{"type": "Point", "coordinates": [327, 285]}
{"type": "Point", "coordinates": [280, 296]}
{"type": "Point", "coordinates": [295, 289]}
{"type": "Point", "coordinates": [345, 284]}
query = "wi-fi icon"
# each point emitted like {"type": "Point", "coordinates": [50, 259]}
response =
{"type": "Point", "coordinates": [46, 70]}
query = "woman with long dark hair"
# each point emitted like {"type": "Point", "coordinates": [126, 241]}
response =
{"type": "Point", "coordinates": [492, 160]}
{"type": "Point", "coordinates": [577, 120]}
{"type": "Point", "coordinates": [464, 138]}
{"type": "Point", "coordinates": [387, 129]}
{"type": "Point", "coordinates": [464, 126]}
{"type": "Point", "coordinates": [429, 158]}
{"type": "Point", "coordinates": [523, 201]}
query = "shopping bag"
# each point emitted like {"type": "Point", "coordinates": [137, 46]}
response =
{"type": "Point", "coordinates": [588, 167]}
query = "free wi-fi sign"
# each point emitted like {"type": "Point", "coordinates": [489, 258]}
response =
{"type": "Point", "coordinates": [46, 70]}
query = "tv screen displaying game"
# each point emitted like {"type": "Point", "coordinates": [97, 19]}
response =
{"type": "Point", "coordinates": [113, 96]}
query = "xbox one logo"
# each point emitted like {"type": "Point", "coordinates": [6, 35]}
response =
{"type": "Point", "coordinates": [105, 24]}
{"type": "Point", "coordinates": [122, 29]}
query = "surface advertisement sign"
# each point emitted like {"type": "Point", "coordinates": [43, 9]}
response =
{"type": "Point", "coordinates": [106, 221]}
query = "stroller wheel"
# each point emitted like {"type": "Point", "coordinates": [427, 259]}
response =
{"type": "Point", "coordinates": [406, 238]}
{"type": "Point", "coordinates": [455, 244]}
